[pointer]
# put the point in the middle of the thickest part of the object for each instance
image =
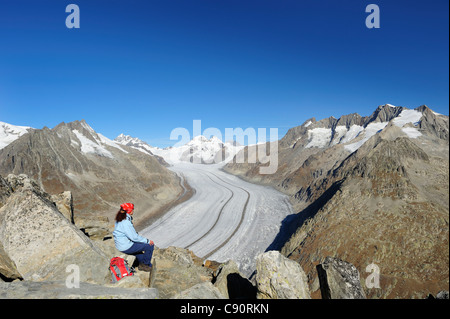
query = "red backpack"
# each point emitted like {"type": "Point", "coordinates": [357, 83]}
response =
{"type": "Point", "coordinates": [119, 268]}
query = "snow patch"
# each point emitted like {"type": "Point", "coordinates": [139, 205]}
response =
{"type": "Point", "coordinates": [319, 137]}
{"type": "Point", "coordinates": [107, 141]}
{"type": "Point", "coordinates": [339, 134]}
{"type": "Point", "coordinates": [369, 131]}
{"type": "Point", "coordinates": [352, 133]}
{"type": "Point", "coordinates": [90, 147]}
{"type": "Point", "coordinates": [407, 116]}
{"type": "Point", "coordinates": [412, 132]}
{"type": "Point", "coordinates": [9, 133]}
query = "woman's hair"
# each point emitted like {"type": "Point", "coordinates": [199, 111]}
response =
{"type": "Point", "coordinates": [121, 215]}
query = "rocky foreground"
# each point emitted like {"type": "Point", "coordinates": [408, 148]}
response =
{"type": "Point", "coordinates": [43, 254]}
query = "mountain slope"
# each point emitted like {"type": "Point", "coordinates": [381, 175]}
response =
{"type": "Point", "coordinates": [387, 205]}
{"type": "Point", "coordinates": [368, 190]}
{"type": "Point", "coordinates": [100, 173]}
{"type": "Point", "coordinates": [140, 145]}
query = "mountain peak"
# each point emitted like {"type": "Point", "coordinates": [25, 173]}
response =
{"type": "Point", "coordinates": [135, 143]}
{"type": "Point", "coordinates": [384, 113]}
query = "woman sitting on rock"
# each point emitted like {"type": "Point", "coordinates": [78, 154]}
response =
{"type": "Point", "coordinates": [128, 241]}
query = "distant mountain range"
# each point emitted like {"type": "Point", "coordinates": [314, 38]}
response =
{"type": "Point", "coordinates": [372, 189]}
{"type": "Point", "coordinates": [100, 172]}
{"type": "Point", "coordinates": [199, 150]}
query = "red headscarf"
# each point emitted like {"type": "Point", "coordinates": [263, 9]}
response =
{"type": "Point", "coordinates": [127, 207]}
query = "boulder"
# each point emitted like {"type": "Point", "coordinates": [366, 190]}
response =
{"type": "Point", "coordinates": [232, 284]}
{"type": "Point", "coordinates": [41, 241]}
{"type": "Point", "coordinates": [212, 264]}
{"type": "Point", "coordinates": [134, 281]}
{"type": "Point", "coordinates": [339, 280]}
{"type": "Point", "coordinates": [442, 295]}
{"type": "Point", "coordinates": [278, 277]}
{"type": "Point", "coordinates": [177, 271]}
{"type": "Point", "coordinates": [8, 270]}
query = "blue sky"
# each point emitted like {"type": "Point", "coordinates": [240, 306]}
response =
{"type": "Point", "coordinates": [144, 68]}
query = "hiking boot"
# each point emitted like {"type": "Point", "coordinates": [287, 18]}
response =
{"type": "Point", "coordinates": [144, 267]}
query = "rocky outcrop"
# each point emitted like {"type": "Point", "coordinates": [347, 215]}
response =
{"type": "Point", "coordinates": [40, 247]}
{"type": "Point", "coordinates": [8, 269]}
{"type": "Point", "coordinates": [433, 123]}
{"type": "Point", "coordinates": [280, 278]}
{"type": "Point", "coordinates": [41, 241]}
{"type": "Point", "coordinates": [232, 284]}
{"type": "Point", "coordinates": [94, 226]}
{"type": "Point", "coordinates": [339, 280]}
{"type": "Point", "coordinates": [178, 269]}
{"type": "Point", "coordinates": [440, 295]}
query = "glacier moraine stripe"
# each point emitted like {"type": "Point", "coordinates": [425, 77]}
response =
{"type": "Point", "coordinates": [244, 210]}
{"type": "Point", "coordinates": [218, 216]}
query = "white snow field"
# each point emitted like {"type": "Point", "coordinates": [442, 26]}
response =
{"type": "Point", "coordinates": [226, 218]}
{"type": "Point", "coordinates": [9, 133]}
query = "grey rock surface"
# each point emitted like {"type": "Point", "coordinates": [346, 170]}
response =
{"type": "Point", "coordinates": [204, 290]}
{"type": "Point", "coordinates": [280, 278]}
{"type": "Point", "coordinates": [59, 290]}
{"type": "Point", "coordinates": [41, 241]}
{"type": "Point", "coordinates": [339, 280]}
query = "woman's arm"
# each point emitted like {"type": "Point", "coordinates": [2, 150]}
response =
{"type": "Point", "coordinates": [131, 233]}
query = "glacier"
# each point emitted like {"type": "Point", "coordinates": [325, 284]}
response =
{"type": "Point", "coordinates": [226, 218]}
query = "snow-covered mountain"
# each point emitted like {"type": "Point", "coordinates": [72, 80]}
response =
{"type": "Point", "coordinates": [353, 130]}
{"type": "Point", "coordinates": [91, 142]}
{"type": "Point", "coordinates": [135, 143]}
{"type": "Point", "coordinates": [200, 150]}
{"type": "Point", "coordinates": [9, 133]}
{"type": "Point", "coordinates": [100, 173]}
